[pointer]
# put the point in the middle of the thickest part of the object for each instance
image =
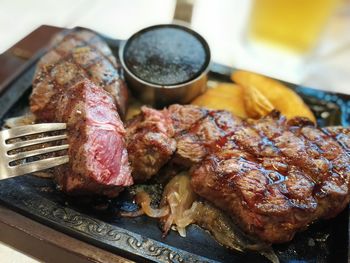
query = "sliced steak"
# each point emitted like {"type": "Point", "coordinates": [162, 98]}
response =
{"type": "Point", "coordinates": [76, 55]}
{"type": "Point", "coordinates": [272, 176]}
{"type": "Point", "coordinates": [197, 141]}
{"type": "Point", "coordinates": [178, 137]}
{"type": "Point", "coordinates": [98, 156]}
{"type": "Point", "coordinates": [78, 81]}
{"type": "Point", "coordinates": [185, 116]}
{"type": "Point", "coordinates": [150, 142]}
{"type": "Point", "coordinates": [276, 177]}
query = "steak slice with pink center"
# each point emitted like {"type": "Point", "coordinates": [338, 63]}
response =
{"type": "Point", "coordinates": [98, 157]}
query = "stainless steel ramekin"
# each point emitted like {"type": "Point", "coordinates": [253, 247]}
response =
{"type": "Point", "coordinates": [162, 95]}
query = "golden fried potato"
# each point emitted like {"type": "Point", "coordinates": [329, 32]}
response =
{"type": "Point", "coordinates": [256, 104]}
{"type": "Point", "coordinates": [280, 96]}
{"type": "Point", "coordinates": [134, 108]}
{"type": "Point", "coordinates": [224, 96]}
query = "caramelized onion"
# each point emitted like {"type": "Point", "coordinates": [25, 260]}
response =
{"type": "Point", "coordinates": [179, 197]}
{"type": "Point", "coordinates": [144, 200]}
{"type": "Point", "coordinates": [176, 207]}
{"type": "Point", "coordinates": [188, 216]}
{"type": "Point", "coordinates": [179, 208]}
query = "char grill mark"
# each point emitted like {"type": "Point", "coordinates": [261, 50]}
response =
{"type": "Point", "coordinates": [246, 191]}
{"type": "Point", "coordinates": [306, 147]}
{"type": "Point", "coordinates": [76, 55]}
{"type": "Point", "coordinates": [78, 81]}
{"type": "Point", "coordinates": [279, 170]}
{"type": "Point", "coordinates": [275, 177]}
{"type": "Point", "coordinates": [272, 176]}
{"type": "Point", "coordinates": [153, 138]}
{"type": "Point", "coordinates": [204, 134]}
{"type": "Point", "coordinates": [185, 116]}
{"type": "Point", "coordinates": [341, 135]}
{"type": "Point", "coordinates": [183, 135]}
{"type": "Point", "coordinates": [289, 176]}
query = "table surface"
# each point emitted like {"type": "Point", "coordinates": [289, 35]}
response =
{"type": "Point", "coordinates": [41, 243]}
{"type": "Point", "coordinates": [221, 22]}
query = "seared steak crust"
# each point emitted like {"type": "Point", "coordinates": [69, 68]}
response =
{"type": "Point", "coordinates": [272, 176]}
{"type": "Point", "coordinates": [99, 160]}
{"type": "Point", "coordinates": [179, 136]}
{"type": "Point", "coordinates": [150, 142]}
{"type": "Point", "coordinates": [275, 177]}
{"type": "Point", "coordinates": [183, 117]}
{"type": "Point", "coordinates": [194, 143]}
{"type": "Point", "coordinates": [76, 55]}
{"type": "Point", "coordinates": [79, 82]}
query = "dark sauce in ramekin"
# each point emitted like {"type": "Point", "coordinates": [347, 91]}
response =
{"type": "Point", "coordinates": [166, 55]}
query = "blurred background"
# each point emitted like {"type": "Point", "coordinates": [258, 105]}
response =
{"type": "Point", "coordinates": [304, 42]}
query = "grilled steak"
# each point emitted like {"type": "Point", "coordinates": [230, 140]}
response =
{"type": "Point", "coordinates": [78, 82]}
{"type": "Point", "coordinates": [149, 142]}
{"type": "Point", "coordinates": [179, 136]}
{"type": "Point", "coordinates": [272, 176]}
{"type": "Point", "coordinates": [183, 117]}
{"type": "Point", "coordinates": [76, 55]}
{"type": "Point", "coordinates": [194, 143]}
{"type": "Point", "coordinates": [98, 157]}
{"type": "Point", "coordinates": [276, 177]}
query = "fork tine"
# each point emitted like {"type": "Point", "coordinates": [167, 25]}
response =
{"type": "Point", "coordinates": [26, 143]}
{"type": "Point", "coordinates": [22, 155]}
{"type": "Point", "coordinates": [40, 165]}
{"type": "Point", "coordinates": [33, 129]}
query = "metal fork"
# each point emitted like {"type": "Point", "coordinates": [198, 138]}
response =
{"type": "Point", "coordinates": [8, 155]}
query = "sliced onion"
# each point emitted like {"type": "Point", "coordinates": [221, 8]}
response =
{"type": "Point", "coordinates": [182, 231]}
{"type": "Point", "coordinates": [188, 216]}
{"type": "Point", "coordinates": [133, 213]}
{"type": "Point", "coordinates": [176, 208]}
{"type": "Point", "coordinates": [167, 223]}
{"type": "Point", "coordinates": [179, 197]}
{"type": "Point", "coordinates": [144, 200]}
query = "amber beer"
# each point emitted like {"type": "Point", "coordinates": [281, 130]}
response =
{"type": "Point", "coordinates": [293, 24]}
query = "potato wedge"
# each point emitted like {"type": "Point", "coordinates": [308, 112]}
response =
{"type": "Point", "coordinates": [289, 103]}
{"type": "Point", "coordinates": [224, 96]}
{"type": "Point", "coordinates": [255, 103]}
